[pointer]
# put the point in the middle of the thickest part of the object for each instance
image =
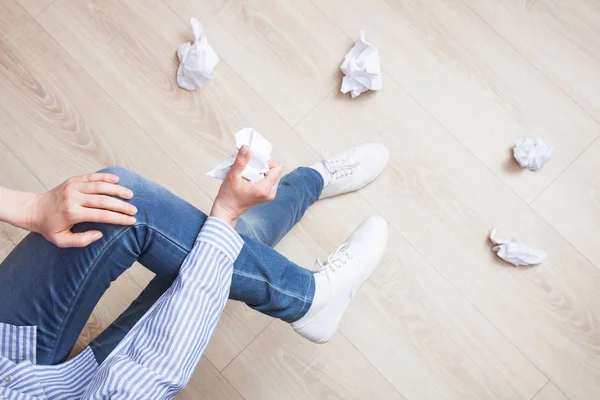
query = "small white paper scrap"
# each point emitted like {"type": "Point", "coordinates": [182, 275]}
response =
{"type": "Point", "coordinates": [196, 61]}
{"type": "Point", "coordinates": [361, 68]}
{"type": "Point", "coordinates": [516, 253]}
{"type": "Point", "coordinates": [260, 154]}
{"type": "Point", "coordinates": [532, 154]}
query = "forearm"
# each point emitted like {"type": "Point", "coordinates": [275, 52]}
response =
{"type": "Point", "coordinates": [16, 207]}
{"type": "Point", "coordinates": [167, 343]}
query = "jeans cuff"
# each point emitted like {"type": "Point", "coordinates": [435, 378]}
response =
{"type": "Point", "coordinates": [316, 174]}
{"type": "Point", "coordinates": [304, 306]}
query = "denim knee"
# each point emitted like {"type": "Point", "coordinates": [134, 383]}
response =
{"type": "Point", "coordinates": [142, 196]}
{"type": "Point", "coordinates": [122, 172]}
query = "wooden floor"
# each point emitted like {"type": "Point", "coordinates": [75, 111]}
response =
{"type": "Point", "coordinates": [90, 83]}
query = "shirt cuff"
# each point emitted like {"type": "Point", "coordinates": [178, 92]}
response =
{"type": "Point", "coordinates": [221, 235]}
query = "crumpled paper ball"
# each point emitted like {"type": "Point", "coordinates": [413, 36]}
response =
{"type": "Point", "coordinates": [361, 68]}
{"type": "Point", "coordinates": [515, 252]}
{"type": "Point", "coordinates": [260, 154]}
{"type": "Point", "coordinates": [196, 61]}
{"type": "Point", "coordinates": [532, 154]}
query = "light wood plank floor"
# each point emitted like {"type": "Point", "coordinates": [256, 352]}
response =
{"type": "Point", "coordinates": [90, 83]}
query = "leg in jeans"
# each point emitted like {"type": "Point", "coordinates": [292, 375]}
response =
{"type": "Point", "coordinates": [268, 223]}
{"type": "Point", "coordinates": [57, 289]}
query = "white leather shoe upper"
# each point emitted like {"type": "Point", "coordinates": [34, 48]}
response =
{"type": "Point", "coordinates": [354, 168]}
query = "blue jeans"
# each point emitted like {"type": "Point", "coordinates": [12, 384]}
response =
{"type": "Point", "coordinates": [57, 289]}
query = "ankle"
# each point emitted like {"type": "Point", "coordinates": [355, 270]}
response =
{"type": "Point", "coordinates": [320, 168]}
{"type": "Point", "coordinates": [320, 299]}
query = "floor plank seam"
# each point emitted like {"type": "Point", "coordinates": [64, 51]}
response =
{"type": "Point", "coordinates": [22, 163]}
{"type": "Point", "coordinates": [542, 388]}
{"type": "Point", "coordinates": [567, 95]}
{"type": "Point", "coordinates": [364, 356]}
{"type": "Point", "coordinates": [312, 110]}
{"type": "Point", "coordinates": [563, 172]}
{"type": "Point", "coordinates": [41, 12]}
{"type": "Point", "coordinates": [245, 347]}
{"type": "Point", "coordinates": [226, 379]}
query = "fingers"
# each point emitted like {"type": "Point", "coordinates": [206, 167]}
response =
{"type": "Point", "coordinates": [70, 239]}
{"type": "Point", "coordinates": [108, 203]}
{"type": "Point", "coordinates": [98, 177]}
{"type": "Point", "coordinates": [105, 217]}
{"type": "Point", "coordinates": [273, 192]}
{"type": "Point", "coordinates": [271, 181]}
{"type": "Point", "coordinates": [273, 176]}
{"type": "Point", "coordinates": [99, 187]}
{"type": "Point", "coordinates": [241, 161]}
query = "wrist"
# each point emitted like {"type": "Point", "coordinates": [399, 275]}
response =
{"type": "Point", "coordinates": [18, 208]}
{"type": "Point", "coordinates": [224, 214]}
{"type": "Point", "coordinates": [33, 214]}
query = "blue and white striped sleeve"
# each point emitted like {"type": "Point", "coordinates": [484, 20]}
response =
{"type": "Point", "coordinates": [157, 357]}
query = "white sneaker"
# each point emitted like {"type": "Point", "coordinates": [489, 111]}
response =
{"type": "Point", "coordinates": [339, 278]}
{"type": "Point", "coordinates": [352, 169]}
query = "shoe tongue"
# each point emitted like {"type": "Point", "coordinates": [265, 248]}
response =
{"type": "Point", "coordinates": [330, 167]}
{"type": "Point", "coordinates": [316, 266]}
{"type": "Point", "coordinates": [320, 267]}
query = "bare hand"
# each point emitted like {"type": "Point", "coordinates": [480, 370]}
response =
{"type": "Point", "coordinates": [237, 194]}
{"type": "Point", "coordinates": [80, 199]}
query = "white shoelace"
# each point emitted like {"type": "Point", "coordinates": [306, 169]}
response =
{"type": "Point", "coordinates": [341, 167]}
{"type": "Point", "coordinates": [335, 260]}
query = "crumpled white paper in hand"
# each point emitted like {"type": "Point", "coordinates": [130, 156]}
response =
{"type": "Point", "coordinates": [516, 253]}
{"type": "Point", "coordinates": [532, 154]}
{"type": "Point", "coordinates": [260, 154]}
{"type": "Point", "coordinates": [361, 68]}
{"type": "Point", "coordinates": [196, 61]}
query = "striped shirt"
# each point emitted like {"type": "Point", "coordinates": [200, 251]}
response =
{"type": "Point", "coordinates": [156, 359]}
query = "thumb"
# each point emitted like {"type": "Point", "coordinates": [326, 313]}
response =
{"type": "Point", "coordinates": [241, 161]}
{"type": "Point", "coordinates": [70, 239]}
